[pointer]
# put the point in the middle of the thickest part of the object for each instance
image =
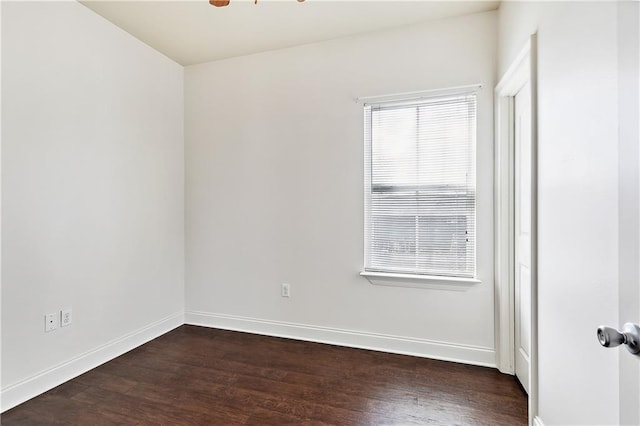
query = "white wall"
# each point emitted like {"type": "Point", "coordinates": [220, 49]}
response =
{"type": "Point", "coordinates": [274, 178]}
{"type": "Point", "coordinates": [92, 192]}
{"type": "Point", "coordinates": [578, 201]}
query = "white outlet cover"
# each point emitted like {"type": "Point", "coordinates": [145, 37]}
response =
{"type": "Point", "coordinates": [65, 317]}
{"type": "Point", "coordinates": [285, 290]}
{"type": "Point", "coordinates": [51, 322]}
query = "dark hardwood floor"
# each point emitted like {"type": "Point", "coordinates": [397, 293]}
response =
{"type": "Point", "coordinates": [198, 376]}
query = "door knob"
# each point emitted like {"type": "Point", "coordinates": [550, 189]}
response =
{"type": "Point", "coordinates": [609, 337]}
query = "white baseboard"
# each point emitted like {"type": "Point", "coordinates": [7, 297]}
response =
{"type": "Point", "coordinates": [355, 339]}
{"type": "Point", "coordinates": [537, 421]}
{"type": "Point", "coordinates": [55, 376]}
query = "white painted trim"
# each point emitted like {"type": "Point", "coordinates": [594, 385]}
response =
{"type": "Point", "coordinates": [1, 6]}
{"type": "Point", "coordinates": [517, 74]}
{"type": "Point", "coordinates": [515, 78]}
{"type": "Point", "coordinates": [503, 232]}
{"type": "Point", "coordinates": [424, 94]}
{"type": "Point", "coordinates": [533, 360]}
{"type": "Point", "coordinates": [537, 421]}
{"type": "Point", "coordinates": [24, 390]}
{"type": "Point", "coordinates": [523, 69]}
{"type": "Point", "coordinates": [445, 351]}
{"type": "Point", "coordinates": [419, 281]}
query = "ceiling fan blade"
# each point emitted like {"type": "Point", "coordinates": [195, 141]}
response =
{"type": "Point", "coordinates": [219, 3]}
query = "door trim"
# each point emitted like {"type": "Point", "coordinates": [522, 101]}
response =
{"type": "Point", "coordinates": [523, 69]}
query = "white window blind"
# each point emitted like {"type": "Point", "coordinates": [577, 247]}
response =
{"type": "Point", "coordinates": [420, 188]}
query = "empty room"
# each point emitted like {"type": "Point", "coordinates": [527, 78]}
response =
{"type": "Point", "coordinates": [347, 212]}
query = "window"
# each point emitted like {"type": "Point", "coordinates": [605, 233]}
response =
{"type": "Point", "coordinates": [420, 187]}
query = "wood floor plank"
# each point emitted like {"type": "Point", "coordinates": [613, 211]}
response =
{"type": "Point", "coordinates": [197, 376]}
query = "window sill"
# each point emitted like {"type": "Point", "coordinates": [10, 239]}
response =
{"type": "Point", "coordinates": [420, 281]}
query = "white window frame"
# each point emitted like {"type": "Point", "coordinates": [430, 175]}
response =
{"type": "Point", "coordinates": [415, 280]}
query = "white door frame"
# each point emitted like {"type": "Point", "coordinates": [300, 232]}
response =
{"type": "Point", "coordinates": [523, 69]}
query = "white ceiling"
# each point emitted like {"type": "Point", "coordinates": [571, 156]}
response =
{"type": "Point", "coordinates": [192, 31]}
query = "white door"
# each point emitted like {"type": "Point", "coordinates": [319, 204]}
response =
{"type": "Point", "coordinates": [629, 202]}
{"type": "Point", "coordinates": [522, 243]}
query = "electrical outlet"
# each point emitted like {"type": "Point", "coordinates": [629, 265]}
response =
{"type": "Point", "coordinates": [285, 291]}
{"type": "Point", "coordinates": [65, 317]}
{"type": "Point", "coordinates": [51, 322]}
